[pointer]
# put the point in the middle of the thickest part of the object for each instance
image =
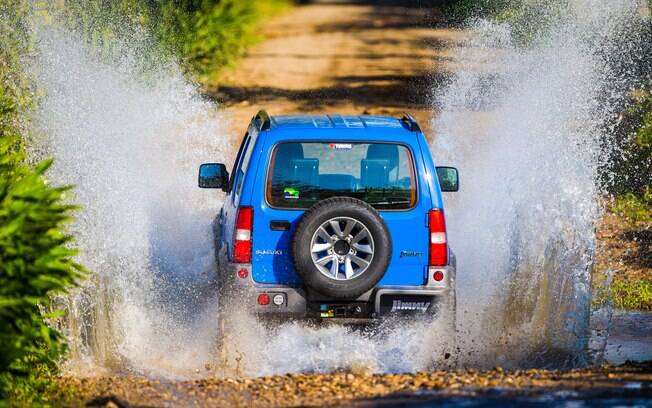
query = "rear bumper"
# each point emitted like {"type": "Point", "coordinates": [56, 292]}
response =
{"type": "Point", "coordinates": [377, 302]}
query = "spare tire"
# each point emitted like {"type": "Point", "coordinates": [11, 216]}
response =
{"type": "Point", "coordinates": [341, 247]}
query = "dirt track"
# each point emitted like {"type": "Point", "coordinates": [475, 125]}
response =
{"type": "Point", "coordinates": [353, 389]}
{"type": "Point", "coordinates": [341, 57]}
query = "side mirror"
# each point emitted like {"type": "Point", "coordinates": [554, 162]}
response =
{"type": "Point", "coordinates": [449, 179]}
{"type": "Point", "coordinates": [213, 175]}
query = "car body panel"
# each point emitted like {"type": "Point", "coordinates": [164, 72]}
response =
{"type": "Point", "coordinates": [271, 260]}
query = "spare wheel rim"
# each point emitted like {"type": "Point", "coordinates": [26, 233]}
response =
{"type": "Point", "coordinates": [342, 248]}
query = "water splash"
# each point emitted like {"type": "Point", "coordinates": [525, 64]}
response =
{"type": "Point", "coordinates": [131, 147]}
{"type": "Point", "coordinates": [525, 125]}
{"type": "Point", "coordinates": [521, 125]}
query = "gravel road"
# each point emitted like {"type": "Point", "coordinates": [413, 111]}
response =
{"type": "Point", "coordinates": [346, 57]}
{"type": "Point", "coordinates": [628, 382]}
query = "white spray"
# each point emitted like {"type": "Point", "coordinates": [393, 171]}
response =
{"type": "Point", "coordinates": [131, 146]}
{"type": "Point", "coordinates": [525, 127]}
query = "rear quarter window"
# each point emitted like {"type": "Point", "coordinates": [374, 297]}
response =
{"type": "Point", "coordinates": [242, 162]}
{"type": "Point", "coordinates": [302, 173]}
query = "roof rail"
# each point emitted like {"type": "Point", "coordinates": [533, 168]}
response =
{"type": "Point", "coordinates": [410, 122]}
{"type": "Point", "coordinates": [262, 120]}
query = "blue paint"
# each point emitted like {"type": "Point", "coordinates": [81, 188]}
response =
{"type": "Point", "coordinates": [271, 260]}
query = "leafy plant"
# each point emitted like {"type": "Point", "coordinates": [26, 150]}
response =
{"type": "Point", "coordinates": [633, 208]}
{"type": "Point", "coordinates": [633, 295]}
{"type": "Point", "coordinates": [36, 262]}
{"type": "Point", "coordinates": [35, 257]}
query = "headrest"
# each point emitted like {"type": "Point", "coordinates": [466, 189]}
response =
{"type": "Point", "coordinates": [289, 151]}
{"type": "Point", "coordinates": [382, 151]}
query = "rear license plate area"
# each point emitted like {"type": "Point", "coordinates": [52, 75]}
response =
{"type": "Point", "coordinates": [339, 310]}
{"type": "Point", "coordinates": [396, 304]}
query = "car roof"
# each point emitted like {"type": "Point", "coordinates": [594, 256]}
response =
{"type": "Point", "coordinates": [335, 122]}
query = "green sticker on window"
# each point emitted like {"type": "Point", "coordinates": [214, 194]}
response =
{"type": "Point", "coordinates": [290, 192]}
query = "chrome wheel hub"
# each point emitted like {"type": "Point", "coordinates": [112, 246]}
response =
{"type": "Point", "coordinates": [342, 248]}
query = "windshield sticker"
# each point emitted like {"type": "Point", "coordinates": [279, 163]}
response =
{"type": "Point", "coordinates": [341, 146]}
{"type": "Point", "coordinates": [289, 192]}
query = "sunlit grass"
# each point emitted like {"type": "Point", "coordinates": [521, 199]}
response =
{"type": "Point", "coordinates": [632, 295]}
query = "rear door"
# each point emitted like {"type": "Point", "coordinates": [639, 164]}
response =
{"type": "Point", "coordinates": [302, 173]}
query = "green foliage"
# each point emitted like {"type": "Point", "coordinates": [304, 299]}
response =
{"type": "Point", "coordinates": [15, 94]}
{"type": "Point", "coordinates": [112, 29]}
{"type": "Point", "coordinates": [635, 209]}
{"type": "Point", "coordinates": [530, 21]}
{"type": "Point", "coordinates": [35, 259]}
{"type": "Point", "coordinates": [211, 34]}
{"type": "Point", "coordinates": [209, 37]}
{"type": "Point", "coordinates": [632, 165]}
{"type": "Point", "coordinates": [633, 295]}
{"type": "Point", "coordinates": [205, 35]}
{"type": "Point", "coordinates": [643, 109]}
{"type": "Point", "coordinates": [35, 262]}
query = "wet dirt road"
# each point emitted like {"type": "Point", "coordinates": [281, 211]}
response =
{"type": "Point", "coordinates": [605, 386]}
{"type": "Point", "coordinates": [630, 338]}
{"type": "Point", "coordinates": [342, 57]}
{"type": "Point", "coordinates": [628, 384]}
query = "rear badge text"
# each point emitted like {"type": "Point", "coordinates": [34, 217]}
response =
{"type": "Point", "coordinates": [269, 252]}
{"type": "Point", "coordinates": [400, 305]}
{"type": "Point", "coordinates": [405, 254]}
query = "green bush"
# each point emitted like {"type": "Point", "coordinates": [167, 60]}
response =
{"type": "Point", "coordinates": [35, 259]}
{"type": "Point", "coordinates": [634, 208]}
{"type": "Point", "coordinates": [204, 35]}
{"type": "Point", "coordinates": [528, 20]}
{"type": "Point", "coordinates": [36, 262]}
{"type": "Point", "coordinates": [207, 37]}
{"type": "Point", "coordinates": [631, 171]}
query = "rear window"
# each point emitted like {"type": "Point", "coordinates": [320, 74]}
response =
{"type": "Point", "coordinates": [382, 174]}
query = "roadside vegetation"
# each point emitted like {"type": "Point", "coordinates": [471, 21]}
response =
{"type": "Point", "coordinates": [36, 251]}
{"type": "Point", "coordinates": [630, 187]}
{"type": "Point", "coordinates": [203, 36]}
{"type": "Point", "coordinates": [36, 260]}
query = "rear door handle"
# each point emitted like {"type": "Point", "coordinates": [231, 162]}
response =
{"type": "Point", "coordinates": [279, 225]}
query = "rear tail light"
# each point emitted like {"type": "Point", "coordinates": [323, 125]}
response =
{"type": "Point", "coordinates": [263, 299]}
{"type": "Point", "coordinates": [437, 235]}
{"type": "Point", "coordinates": [242, 239]}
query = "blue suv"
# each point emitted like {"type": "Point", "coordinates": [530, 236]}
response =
{"type": "Point", "coordinates": [331, 217]}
